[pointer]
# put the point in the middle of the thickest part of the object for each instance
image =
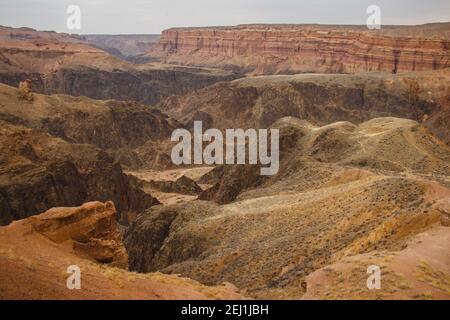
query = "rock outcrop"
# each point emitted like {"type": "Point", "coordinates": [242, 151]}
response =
{"type": "Point", "coordinates": [182, 185]}
{"type": "Point", "coordinates": [276, 49]}
{"type": "Point", "coordinates": [39, 254]}
{"type": "Point", "coordinates": [91, 228]}
{"type": "Point", "coordinates": [231, 183]}
{"type": "Point", "coordinates": [25, 92]}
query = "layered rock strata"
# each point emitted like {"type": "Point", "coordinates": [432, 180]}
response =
{"type": "Point", "coordinates": [272, 49]}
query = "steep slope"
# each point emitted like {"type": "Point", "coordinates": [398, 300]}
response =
{"type": "Point", "coordinates": [65, 64]}
{"type": "Point", "coordinates": [38, 171]}
{"type": "Point", "coordinates": [120, 127]}
{"type": "Point", "coordinates": [310, 156]}
{"type": "Point", "coordinates": [288, 49]}
{"type": "Point", "coordinates": [342, 190]}
{"type": "Point", "coordinates": [36, 253]}
{"type": "Point", "coordinates": [257, 102]}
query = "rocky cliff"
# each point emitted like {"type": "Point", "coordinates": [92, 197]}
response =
{"type": "Point", "coordinates": [272, 49]}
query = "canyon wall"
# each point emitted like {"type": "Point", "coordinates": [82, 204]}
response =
{"type": "Point", "coordinates": [38, 172]}
{"type": "Point", "coordinates": [59, 63]}
{"type": "Point", "coordinates": [63, 151]}
{"type": "Point", "coordinates": [100, 76]}
{"type": "Point", "coordinates": [272, 49]}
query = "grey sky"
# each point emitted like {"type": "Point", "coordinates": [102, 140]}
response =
{"type": "Point", "coordinates": [152, 16]}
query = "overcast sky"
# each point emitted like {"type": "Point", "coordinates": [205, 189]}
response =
{"type": "Point", "coordinates": [153, 16]}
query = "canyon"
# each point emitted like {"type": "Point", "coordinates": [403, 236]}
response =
{"type": "Point", "coordinates": [86, 175]}
{"type": "Point", "coordinates": [342, 190]}
{"type": "Point", "coordinates": [70, 65]}
{"type": "Point", "coordinates": [128, 47]}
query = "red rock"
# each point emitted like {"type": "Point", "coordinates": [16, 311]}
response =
{"type": "Point", "coordinates": [91, 228]}
{"type": "Point", "coordinates": [271, 49]}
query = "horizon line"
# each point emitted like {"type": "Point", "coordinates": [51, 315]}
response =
{"type": "Point", "coordinates": [230, 26]}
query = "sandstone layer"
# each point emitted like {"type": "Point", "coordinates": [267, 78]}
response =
{"type": "Point", "coordinates": [274, 49]}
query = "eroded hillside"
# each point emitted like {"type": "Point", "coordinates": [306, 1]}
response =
{"type": "Point", "coordinates": [132, 132]}
{"type": "Point", "coordinates": [258, 102]}
{"type": "Point", "coordinates": [342, 190]}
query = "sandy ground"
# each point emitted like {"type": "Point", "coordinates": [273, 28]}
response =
{"type": "Point", "coordinates": [421, 271]}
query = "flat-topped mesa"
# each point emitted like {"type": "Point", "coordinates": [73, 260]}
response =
{"type": "Point", "coordinates": [272, 49]}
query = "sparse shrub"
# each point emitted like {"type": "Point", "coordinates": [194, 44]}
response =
{"type": "Point", "coordinates": [25, 91]}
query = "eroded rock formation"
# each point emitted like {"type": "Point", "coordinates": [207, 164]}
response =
{"type": "Point", "coordinates": [91, 228]}
{"type": "Point", "coordinates": [25, 92]}
{"type": "Point", "coordinates": [35, 254]}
